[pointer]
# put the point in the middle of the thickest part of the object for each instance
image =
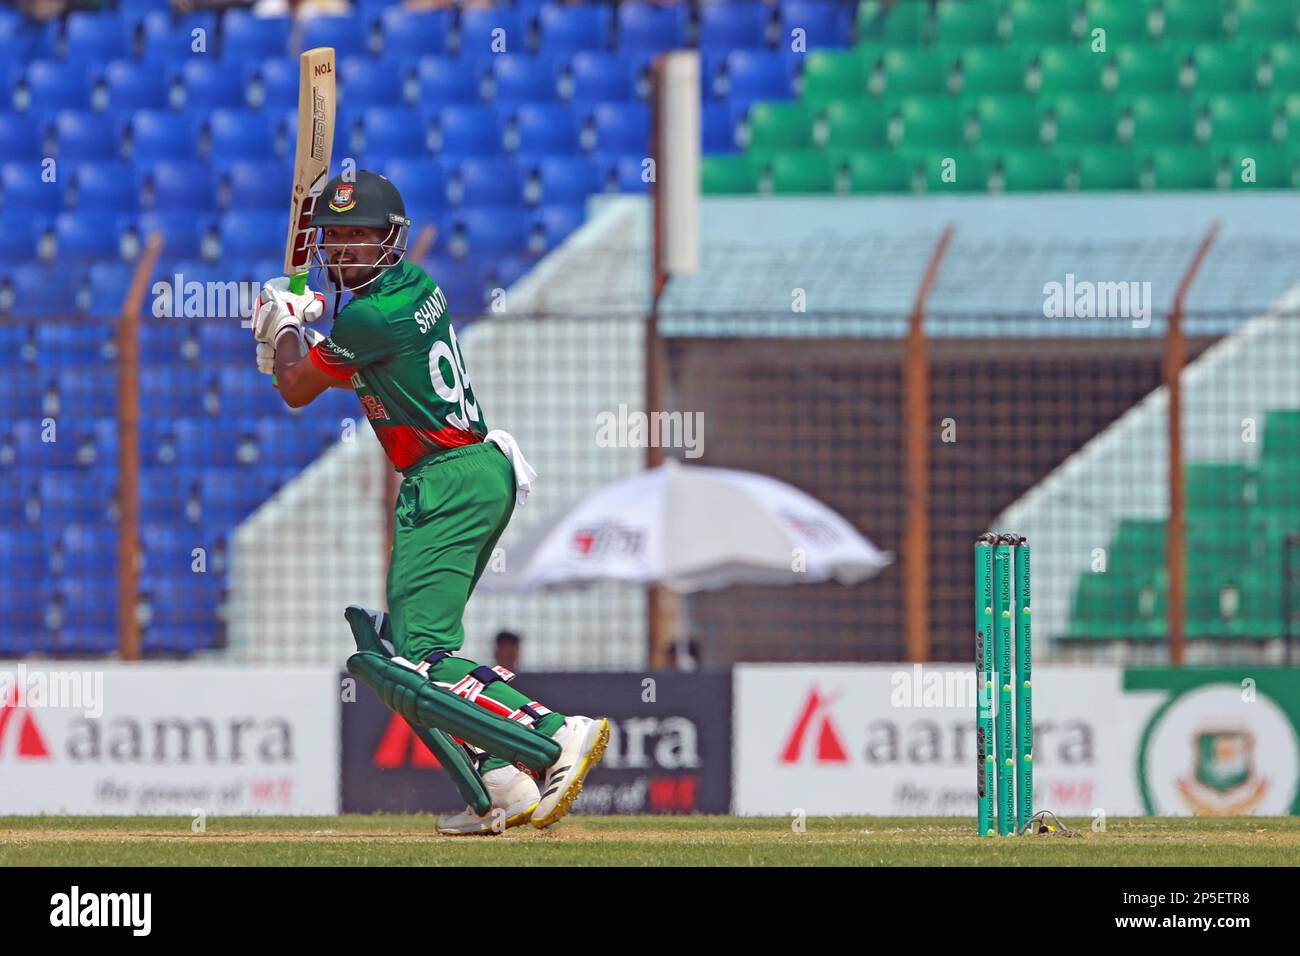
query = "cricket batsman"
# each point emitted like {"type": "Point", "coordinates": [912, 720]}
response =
{"type": "Point", "coordinates": [393, 344]}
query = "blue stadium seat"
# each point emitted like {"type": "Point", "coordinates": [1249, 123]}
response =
{"type": "Point", "coordinates": [619, 128]}
{"type": "Point", "coordinates": [167, 42]}
{"type": "Point", "coordinates": [95, 37]}
{"type": "Point", "coordinates": [23, 551]}
{"type": "Point", "coordinates": [36, 455]}
{"type": "Point", "coordinates": [180, 185]}
{"type": "Point", "coordinates": [175, 389]}
{"type": "Point", "coordinates": [89, 550]}
{"type": "Point", "coordinates": [18, 234]}
{"type": "Point", "coordinates": [85, 393]}
{"type": "Point", "coordinates": [167, 550]}
{"type": "Point", "coordinates": [552, 224]}
{"type": "Point", "coordinates": [88, 234]}
{"type": "Point", "coordinates": [256, 184]}
{"type": "Point", "coordinates": [601, 77]}
{"type": "Point", "coordinates": [17, 348]}
{"type": "Point", "coordinates": [244, 391]}
{"type": "Point", "coordinates": [824, 22]}
{"type": "Point", "coordinates": [247, 38]}
{"type": "Point", "coordinates": [129, 86]}
{"type": "Point", "coordinates": [225, 341]}
{"type": "Point", "coordinates": [43, 292]}
{"type": "Point", "coordinates": [717, 129]}
{"type": "Point", "coordinates": [651, 27]}
{"type": "Point", "coordinates": [168, 341]}
{"type": "Point", "coordinates": [568, 29]}
{"type": "Point", "coordinates": [284, 443]}
{"type": "Point", "coordinates": [75, 497]}
{"type": "Point", "coordinates": [622, 172]}
{"type": "Point", "coordinates": [400, 131]}
{"type": "Point", "coordinates": [183, 230]}
{"type": "Point", "coordinates": [410, 34]}
{"type": "Point", "coordinates": [467, 131]}
{"type": "Point", "coordinates": [253, 233]}
{"type": "Point", "coordinates": [210, 84]}
{"type": "Point", "coordinates": [545, 129]}
{"type": "Point", "coordinates": [485, 182]}
{"type": "Point", "coordinates": [228, 496]}
{"type": "Point", "coordinates": [108, 284]}
{"type": "Point", "coordinates": [364, 82]}
{"type": "Point", "coordinates": [205, 442]}
{"type": "Point", "coordinates": [478, 25]}
{"type": "Point", "coordinates": [54, 85]}
{"type": "Point", "coordinates": [741, 24]}
{"type": "Point", "coordinates": [169, 495]}
{"type": "Point", "coordinates": [488, 229]}
{"type": "Point", "coordinates": [444, 81]}
{"type": "Point", "coordinates": [87, 616]}
{"type": "Point", "coordinates": [241, 134]}
{"type": "Point", "coordinates": [61, 344]}
{"type": "Point", "coordinates": [20, 137]}
{"type": "Point", "coordinates": [347, 35]}
{"type": "Point", "coordinates": [566, 179]}
{"type": "Point", "coordinates": [523, 79]}
{"type": "Point", "coordinates": [759, 75]}
{"type": "Point", "coordinates": [82, 136]}
{"type": "Point", "coordinates": [421, 182]}
{"type": "Point", "coordinates": [107, 186]}
{"type": "Point", "coordinates": [159, 135]}
{"type": "Point", "coordinates": [276, 83]}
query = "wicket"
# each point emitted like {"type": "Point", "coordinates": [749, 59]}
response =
{"type": "Point", "coordinates": [1004, 706]}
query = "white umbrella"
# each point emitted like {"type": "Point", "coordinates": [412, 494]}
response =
{"type": "Point", "coordinates": [691, 528]}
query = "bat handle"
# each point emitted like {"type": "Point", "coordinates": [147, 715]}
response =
{"type": "Point", "coordinates": [298, 283]}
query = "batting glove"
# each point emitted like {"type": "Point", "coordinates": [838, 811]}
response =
{"type": "Point", "coordinates": [278, 309]}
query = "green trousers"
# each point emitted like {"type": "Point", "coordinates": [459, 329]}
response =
{"type": "Point", "coordinates": [451, 511]}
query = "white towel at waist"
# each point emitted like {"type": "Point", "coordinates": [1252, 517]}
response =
{"type": "Point", "coordinates": [524, 474]}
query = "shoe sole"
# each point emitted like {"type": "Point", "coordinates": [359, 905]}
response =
{"type": "Point", "coordinates": [518, 820]}
{"type": "Point", "coordinates": [565, 803]}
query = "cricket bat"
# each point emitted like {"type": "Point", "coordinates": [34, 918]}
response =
{"type": "Point", "coordinates": [311, 164]}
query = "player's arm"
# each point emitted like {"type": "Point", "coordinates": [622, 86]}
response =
{"type": "Point", "coordinates": [299, 379]}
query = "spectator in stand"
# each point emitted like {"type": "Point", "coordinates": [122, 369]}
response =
{"type": "Point", "coordinates": [506, 650]}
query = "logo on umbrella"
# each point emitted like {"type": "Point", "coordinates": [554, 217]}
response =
{"type": "Point", "coordinates": [607, 539]}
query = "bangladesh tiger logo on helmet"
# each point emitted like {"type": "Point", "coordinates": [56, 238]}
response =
{"type": "Point", "coordinates": [343, 198]}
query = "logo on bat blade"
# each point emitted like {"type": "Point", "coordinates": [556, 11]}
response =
{"type": "Point", "coordinates": [343, 198]}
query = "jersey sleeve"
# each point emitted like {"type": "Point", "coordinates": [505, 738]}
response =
{"type": "Point", "coordinates": [360, 337]}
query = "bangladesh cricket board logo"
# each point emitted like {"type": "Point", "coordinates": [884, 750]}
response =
{"type": "Point", "coordinates": [1216, 751]}
{"type": "Point", "coordinates": [344, 197]}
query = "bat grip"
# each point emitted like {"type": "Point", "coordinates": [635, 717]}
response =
{"type": "Point", "coordinates": [298, 283]}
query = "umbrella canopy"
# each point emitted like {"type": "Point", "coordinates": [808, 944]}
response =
{"type": "Point", "coordinates": [693, 529]}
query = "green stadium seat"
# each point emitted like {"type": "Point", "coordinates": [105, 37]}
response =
{"type": "Point", "coordinates": [855, 124]}
{"type": "Point", "coordinates": [910, 72]}
{"type": "Point", "coordinates": [1242, 118]}
{"type": "Point", "coordinates": [1226, 67]}
{"type": "Point", "coordinates": [964, 23]}
{"type": "Point", "coordinates": [1138, 547]}
{"type": "Point", "coordinates": [879, 171]}
{"type": "Point", "coordinates": [1288, 106]}
{"type": "Point", "coordinates": [1098, 168]}
{"type": "Point", "coordinates": [1281, 435]}
{"type": "Point", "coordinates": [836, 74]}
{"type": "Point", "coordinates": [1113, 607]}
{"type": "Point", "coordinates": [1267, 20]}
{"type": "Point", "coordinates": [1219, 540]}
{"type": "Point", "coordinates": [905, 24]}
{"type": "Point", "coordinates": [929, 121]}
{"type": "Point", "coordinates": [1031, 170]}
{"type": "Point", "coordinates": [728, 174]}
{"type": "Point", "coordinates": [1082, 120]}
{"type": "Point", "coordinates": [1068, 70]}
{"type": "Point", "coordinates": [1125, 21]}
{"type": "Point", "coordinates": [1149, 69]}
{"type": "Point", "coordinates": [987, 70]}
{"type": "Point", "coordinates": [804, 172]}
{"type": "Point", "coordinates": [1218, 488]}
{"type": "Point", "coordinates": [1008, 121]}
{"type": "Point", "coordinates": [954, 171]}
{"type": "Point", "coordinates": [1192, 20]}
{"type": "Point", "coordinates": [1284, 67]}
{"type": "Point", "coordinates": [1271, 167]}
{"type": "Point", "coordinates": [1038, 24]}
{"type": "Point", "coordinates": [780, 126]}
{"type": "Point", "coordinates": [1278, 488]}
{"type": "Point", "coordinates": [1159, 119]}
{"type": "Point", "coordinates": [1179, 168]}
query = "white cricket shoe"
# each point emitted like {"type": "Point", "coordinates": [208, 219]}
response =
{"type": "Point", "coordinates": [582, 743]}
{"type": "Point", "coordinates": [514, 795]}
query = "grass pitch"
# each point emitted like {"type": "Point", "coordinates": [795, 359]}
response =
{"type": "Point", "coordinates": [639, 841]}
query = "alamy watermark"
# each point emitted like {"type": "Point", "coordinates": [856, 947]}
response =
{"type": "Point", "coordinates": [53, 689]}
{"type": "Point", "coordinates": [1084, 299]}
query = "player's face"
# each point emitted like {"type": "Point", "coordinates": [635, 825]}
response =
{"type": "Point", "coordinates": [353, 251]}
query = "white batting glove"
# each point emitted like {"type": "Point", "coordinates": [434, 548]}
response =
{"type": "Point", "coordinates": [277, 309]}
{"type": "Point", "coordinates": [266, 351]}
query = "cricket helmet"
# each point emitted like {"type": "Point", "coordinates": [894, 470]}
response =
{"type": "Point", "coordinates": [369, 200]}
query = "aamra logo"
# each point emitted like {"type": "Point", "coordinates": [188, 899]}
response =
{"type": "Point", "coordinates": [814, 725]}
{"type": "Point", "coordinates": [24, 740]}
{"type": "Point", "coordinates": [399, 747]}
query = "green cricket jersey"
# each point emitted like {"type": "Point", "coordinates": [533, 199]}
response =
{"type": "Point", "coordinates": [397, 346]}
